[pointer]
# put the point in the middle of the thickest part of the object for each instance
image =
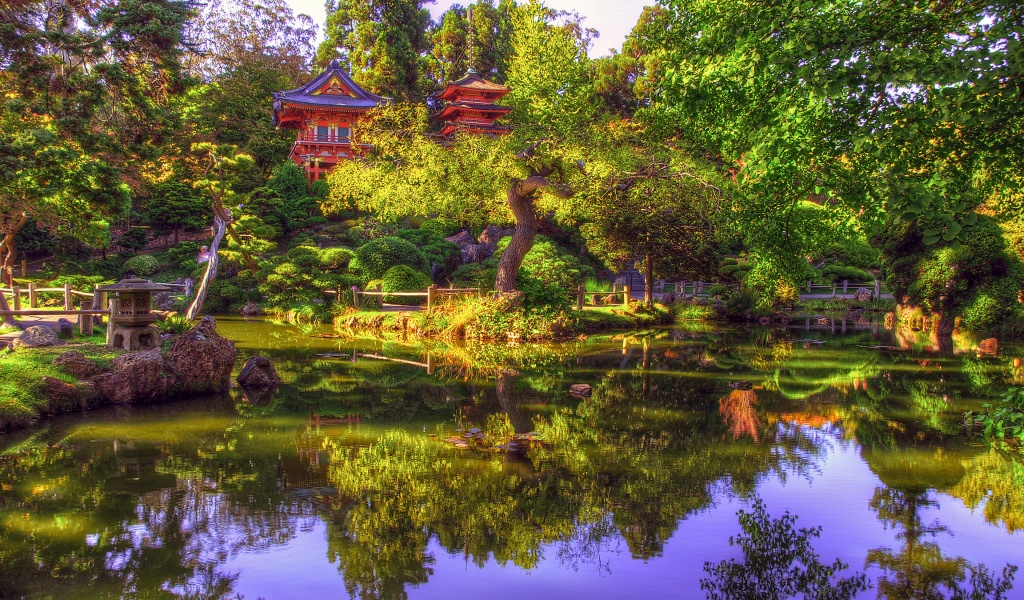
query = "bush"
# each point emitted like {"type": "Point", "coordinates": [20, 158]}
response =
{"type": "Point", "coordinates": [442, 226]}
{"type": "Point", "coordinates": [402, 278]}
{"type": "Point", "coordinates": [133, 239]}
{"type": "Point", "coordinates": [837, 273]}
{"type": "Point", "coordinates": [377, 256]}
{"type": "Point", "coordinates": [143, 265]}
{"type": "Point", "coordinates": [335, 258]}
{"type": "Point", "coordinates": [183, 254]}
{"type": "Point", "coordinates": [540, 294]}
{"type": "Point", "coordinates": [442, 257]}
{"type": "Point", "coordinates": [81, 283]}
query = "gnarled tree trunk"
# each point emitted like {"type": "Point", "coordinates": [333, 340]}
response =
{"type": "Point", "coordinates": [219, 225]}
{"type": "Point", "coordinates": [520, 198]}
{"type": "Point", "coordinates": [8, 251]}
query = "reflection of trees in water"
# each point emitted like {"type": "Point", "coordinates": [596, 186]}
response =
{"type": "Point", "coordinates": [739, 413]}
{"type": "Point", "coordinates": [778, 562]}
{"type": "Point", "coordinates": [997, 480]}
{"type": "Point", "coordinates": [918, 569]}
{"type": "Point", "coordinates": [615, 467]}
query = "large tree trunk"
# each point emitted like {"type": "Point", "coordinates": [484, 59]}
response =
{"type": "Point", "coordinates": [8, 320]}
{"type": "Point", "coordinates": [520, 199]}
{"type": "Point", "coordinates": [648, 281]}
{"type": "Point", "coordinates": [220, 226]}
{"type": "Point", "coordinates": [942, 332]}
{"type": "Point", "coordinates": [8, 251]}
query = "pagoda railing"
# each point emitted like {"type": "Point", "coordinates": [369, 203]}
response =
{"type": "Point", "coordinates": [324, 138]}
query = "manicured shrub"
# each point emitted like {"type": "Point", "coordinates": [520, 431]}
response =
{"type": "Point", "coordinates": [443, 226]}
{"type": "Point", "coordinates": [134, 239]}
{"type": "Point", "coordinates": [402, 278]}
{"type": "Point", "coordinates": [380, 254]}
{"type": "Point", "coordinates": [838, 273]}
{"type": "Point", "coordinates": [143, 265]}
{"type": "Point", "coordinates": [442, 256]}
{"type": "Point", "coordinates": [183, 254]}
{"type": "Point", "coordinates": [335, 258]}
{"type": "Point", "coordinates": [81, 283]}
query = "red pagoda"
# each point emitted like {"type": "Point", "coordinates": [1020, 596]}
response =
{"type": "Point", "coordinates": [471, 106]}
{"type": "Point", "coordinates": [324, 112]}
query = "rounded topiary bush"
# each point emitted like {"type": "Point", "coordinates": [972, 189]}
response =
{"type": "Point", "coordinates": [335, 258]}
{"type": "Point", "coordinates": [380, 254]}
{"type": "Point", "coordinates": [404, 279]}
{"type": "Point", "coordinates": [443, 226]}
{"type": "Point", "coordinates": [143, 265]}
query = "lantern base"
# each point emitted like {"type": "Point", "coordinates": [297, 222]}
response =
{"type": "Point", "coordinates": [136, 338]}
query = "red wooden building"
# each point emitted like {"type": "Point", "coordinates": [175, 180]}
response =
{"type": "Point", "coordinates": [471, 106]}
{"type": "Point", "coordinates": [324, 111]}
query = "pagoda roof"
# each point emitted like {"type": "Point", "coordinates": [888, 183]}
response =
{"type": "Point", "coordinates": [472, 81]}
{"type": "Point", "coordinates": [452, 110]}
{"type": "Point", "coordinates": [333, 88]}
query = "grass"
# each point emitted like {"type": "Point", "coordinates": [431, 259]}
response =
{"type": "Point", "coordinates": [837, 305]}
{"type": "Point", "coordinates": [594, 284]}
{"type": "Point", "coordinates": [21, 373]}
{"type": "Point", "coordinates": [687, 311]}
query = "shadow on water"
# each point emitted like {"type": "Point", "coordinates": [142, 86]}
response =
{"type": "Point", "coordinates": [407, 452]}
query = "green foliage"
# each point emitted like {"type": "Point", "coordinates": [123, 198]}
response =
{"type": "Point", "coordinates": [143, 265]}
{"type": "Point", "coordinates": [549, 263]}
{"type": "Point", "coordinates": [174, 207]}
{"type": "Point", "coordinates": [297, 284]}
{"type": "Point", "coordinates": [380, 254]}
{"type": "Point", "coordinates": [977, 279]}
{"type": "Point", "coordinates": [134, 239]}
{"type": "Point", "coordinates": [402, 278]}
{"type": "Point", "coordinates": [778, 562]}
{"type": "Point", "coordinates": [443, 257]}
{"type": "Point", "coordinates": [442, 226]}
{"type": "Point", "coordinates": [174, 324]}
{"type": "Point", "coordinates": [289, 181]}
{"type": "Point", "coordinates": [838, 273]}
{"type": "Point", "coordinates": [1003, 421]}
{"type": "Point", "coordinates": [81, 283]}
{"type": "Point", "coordinates": [183, 254]}
{"type": "Point", "coordinates": [542, 294]}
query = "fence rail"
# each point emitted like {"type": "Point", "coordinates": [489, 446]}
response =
{"type": "Point", "coordinates": [432, 293]}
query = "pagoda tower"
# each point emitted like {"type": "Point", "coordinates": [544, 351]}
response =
{"type": "Point", "coordinates": [471, 106]}
{"type": "Point", "coordinates": [324, 111]}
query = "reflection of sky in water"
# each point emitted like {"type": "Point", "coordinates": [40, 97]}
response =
{"type": "Point", "coordinates": [836, 498]}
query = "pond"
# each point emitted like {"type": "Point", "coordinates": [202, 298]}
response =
{"type": "Point", "coordinates": [406, 469]}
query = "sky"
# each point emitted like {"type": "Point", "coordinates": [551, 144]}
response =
{"type": "Point", "coordinates": [614, 19]}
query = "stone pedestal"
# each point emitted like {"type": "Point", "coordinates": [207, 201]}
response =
{"type": "Point", "coordinates": [133, 338]}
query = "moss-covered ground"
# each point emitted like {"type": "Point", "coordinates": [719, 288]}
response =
{"type": "Point", "coordinates": [22, 372]}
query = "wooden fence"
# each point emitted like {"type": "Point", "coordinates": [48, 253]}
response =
{"type": "Point", "coordinates": [845, 288]}
{"type": "Point", "coordinates": [432, 294]}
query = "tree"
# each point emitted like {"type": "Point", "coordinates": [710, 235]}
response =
{"type": "Point", "coordinates": [517, 177]}
{"type": "Point", "coordinates": [175, 207]}
{"type": "Point", "coordinates": [86, 90]}
{"type": "Point", "coordinates": [867, 109]}
{"type": "Point", "coordinates": [654, 207]}
{"type": "Point", "coordinates": [459, 44]}
{"type": "Point", "coordinates": [380, 42]}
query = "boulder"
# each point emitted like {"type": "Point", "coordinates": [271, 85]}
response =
{"type": "Point", "coordinates": [250, 309]}
{"type": "Point", "coordinates": [821, 320]}
{"type": "Point", "coordinates": [889, 321]}
{"type": "Point", "coordinates": [65, 329]}
{"type": "Point", "coordinates": [200, 360]}
{"type": "Point", "coordinates": [988, 346]}
{"type": "Point", "coordinates": [580, 390]}
{"type": "Point", "coordinates": [491, 236]}
{"type": "Point", "coordinates": [36, 336]}
{"type": "Point", "coordinates": [461, 239]}
{"type": "Point", "coordinates": [76, 364]}
{"type": "Point", "coordinates": [60, 395]}
{"type": "Point", "coordinates": [137, 377]}
{"type": "Point", "coordinates": [258, 372]}
{"type": "Point", "coordinates": [863, 295]}
{"type": "Point", "coordinates": [743, 384]}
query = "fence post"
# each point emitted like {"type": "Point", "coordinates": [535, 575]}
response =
{"type": "Point", "coordinates": [700, 287]}
{"type": "Point", "coordinates": [33, 301]}
{"type": "Point", "coordinates": [579, 296]}
{"type": "Point", "coordinates": [625, 295]}
{"type": "Point", "coordinates": [24, 267]}
{"type": "Point", "coordinates": [834, 290]}
{"type": "Point", "coordinates": [337, 295]}
{"type": "Point", "coordinates": [17, 297]}
{"type": "Point", "coordinates": [846, 282]}
{"type": "Point", "coordinates": [431, 290]}
{"type": "Point", "coordinates": [355, 297]}
{"type": "Point", "coordinates": [878, 288]}
{"type": "Point", "coordinates": [808, 286]}
{"type": "Point", "coordinates": [110, 321]}
{"type": "Point", "coordinates": [67, 297]}
{"type": "Point", "coordinates": [377, 288]}
{"type": "Point", "coordinates": [85, 321]}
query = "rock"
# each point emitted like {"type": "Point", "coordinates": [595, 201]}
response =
{"type": "Point", "coordinates": [250, 309]}
{"type": "Point", "coordinates": [61, 396]}
{"type": "Point", "coordinates": [461, 239]}
{"type": "Point", "coordinates": [76, 364]}
{"type": "Point", "coordinates": [491, 236]}
{"type": "Point", "coordinates": [258, 372]}
{"type": "Point", "coordinates": [580, 390]}
{"type": "Point", "coordinates": [200, 360]}
{"type": "Point", "coordinates": [890, 321]}
{"type": "Point", "coordinates": [65, 329]}
{"type": "Point", "coordinates": [821, 320]}
{"type": "Point", "coordinates": [988, 346]}
{"type": "Point", "coordinates": [36, 336]}
{"type": "Point", "coordinates": [863, 295]}
{"type": "Point", "coordinates": [163, 301]}
{"type": "Point", "coordinates": [611, 299]}
{"type": "Point", "coordinates": [764, 321]}
{"type": "Point", "coordinates": [137, 377]}
{"type": "Point", "coordinates": [742, 385]}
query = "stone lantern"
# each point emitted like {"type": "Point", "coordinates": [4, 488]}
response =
{"type": "Point", "coordinates": [132, 321]}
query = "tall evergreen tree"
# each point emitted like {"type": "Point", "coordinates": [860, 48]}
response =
{"type": "Point", "coordinates": [381, 42]}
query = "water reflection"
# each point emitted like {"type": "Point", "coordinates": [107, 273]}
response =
{"type": "Point", "coordinates": [161, 501]}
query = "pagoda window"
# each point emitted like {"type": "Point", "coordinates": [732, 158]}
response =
{"type": "Point", "coordinates": [321, 133]}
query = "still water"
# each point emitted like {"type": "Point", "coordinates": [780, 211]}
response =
{"type": "Point", "coordinates": [404, 469]}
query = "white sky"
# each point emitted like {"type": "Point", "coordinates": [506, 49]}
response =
{"type": "Point", "coordinates": [614, 19]}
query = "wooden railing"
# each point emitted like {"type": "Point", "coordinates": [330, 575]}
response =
{"type": "Point", "coordinates": [432, 294]}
